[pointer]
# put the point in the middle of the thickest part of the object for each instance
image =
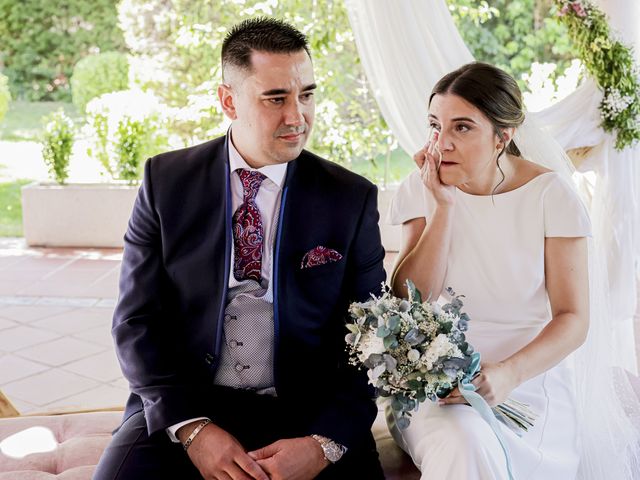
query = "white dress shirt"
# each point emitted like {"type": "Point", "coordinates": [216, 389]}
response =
{"type": "Point", "coordinates": [268, 202]}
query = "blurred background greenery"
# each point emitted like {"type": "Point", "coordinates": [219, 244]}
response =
{"type": "Point", "coordinates": [139, 76]}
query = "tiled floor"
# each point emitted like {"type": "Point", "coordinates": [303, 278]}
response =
{"type": "Point", "coordinates": [56, 351]}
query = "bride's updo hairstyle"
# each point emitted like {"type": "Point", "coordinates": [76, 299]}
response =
{"type": "Point", "coordinates": [492, 91]}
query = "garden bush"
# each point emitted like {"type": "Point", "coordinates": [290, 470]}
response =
{"type": "Point", "coordinates": [58, 144]}
{"type": "Point", "coordinates": [5, 96]}
{"type": "Point", "coordinates": [122, 137]}
{"type": "Point", "coordinates": [97, 74]}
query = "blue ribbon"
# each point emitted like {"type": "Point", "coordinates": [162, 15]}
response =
{"type": "Point", "coordinates": [467, 389]}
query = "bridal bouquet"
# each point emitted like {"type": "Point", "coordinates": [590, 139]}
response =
{"type": "Point", "coordinates": [417, 350]}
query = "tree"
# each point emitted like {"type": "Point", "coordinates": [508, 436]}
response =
{"type": "Point", "coordinates": [41, 41]}
{"type": "Point", "coordinates": [176, 48]}
{"type": "Point", "coordinates": [512, 34]}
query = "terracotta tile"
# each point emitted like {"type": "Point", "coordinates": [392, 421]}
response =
{"type": "Point", "coordinates": [6, 262]}
{"type": "Point", "coordinates": [67, 301]}
{"type": "Point", "coordinates": [5, 323]}
{"type": "Point", "coordinates": [64, 284]}
{"type": "Point", "coordinates": [22, 406]}
{"type": "Point", "coordinates": [122, 383]}
{"type": "Point", "coordinates": [14, 285]}
{"type": "Point", "coordinates": [76, 320]}
{"type": "Point", "coordinates": [100, 335]}
{"type": "Point", "coordinates": [13, 368]}
{"type": "Point", "coordinates": [103, 367]}
{"type": "Point", "coordinates": [16, 300]}
{"type": "Point", "coordinates": [31, 313]}
{"type": "Point", "coordinates": [107, 303]}
{"type": "Point", "coordinates": [61, 351]}
{"type": "Point", "coordinates": [49, 386]}
{"type": "Point", "coordinates": [17, 338]}
{"type": "Point", "coordinates": [103, 396]}
{"type": "Point", "coordinates": [105, 287]}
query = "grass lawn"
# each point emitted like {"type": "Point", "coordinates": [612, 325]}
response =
{"type": "Point", "coordinates": [23, 121]}
{"type": "Point", "coordinates": [11, 208]}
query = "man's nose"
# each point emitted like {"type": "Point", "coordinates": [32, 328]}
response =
{"type": "Point", "coordinates": [293, 114]}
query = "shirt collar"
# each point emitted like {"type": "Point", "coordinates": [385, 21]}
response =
{"type": "Point", "coordinates": [275, 173]}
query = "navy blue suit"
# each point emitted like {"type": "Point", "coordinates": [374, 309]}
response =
{"type": "Point", "coordinates": [168, 322]}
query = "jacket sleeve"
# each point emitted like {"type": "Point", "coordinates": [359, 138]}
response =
{"type": "Point", "coordinates": [150, 355]}
{"type": "Point", "coordinates": [349, 413]}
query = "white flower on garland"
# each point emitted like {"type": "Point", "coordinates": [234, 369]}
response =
{"type": "Point", "coordinates": [615, 103]}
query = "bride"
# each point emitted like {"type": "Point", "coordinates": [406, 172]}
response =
{"type": "Point", "coordinates": [512, 236]}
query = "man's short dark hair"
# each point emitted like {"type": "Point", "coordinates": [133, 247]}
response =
{"type": "Point", "coordinates": [260, 34]}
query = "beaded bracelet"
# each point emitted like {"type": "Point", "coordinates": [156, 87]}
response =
{"type": "Point", "coordinates": [195, 432]}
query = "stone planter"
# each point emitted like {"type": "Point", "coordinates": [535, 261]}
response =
{"type": "Point", "coordinates": [96, 215]}
{"type": "Point", "coordinates": [76, 215]}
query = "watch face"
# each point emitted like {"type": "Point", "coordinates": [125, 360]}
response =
{"type": "Point", "coordinates": [333, 454]}
{"type": "Point", "coordinates": [332, 451]}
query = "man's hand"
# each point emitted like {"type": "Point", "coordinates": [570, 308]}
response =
{"type": "Point", "coordinates": [218, 455]}
{"type": "Point", "coordinates": [292, 459]}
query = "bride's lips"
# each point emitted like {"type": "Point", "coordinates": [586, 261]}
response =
{"type": "Point", "coordinates": [447, 164]}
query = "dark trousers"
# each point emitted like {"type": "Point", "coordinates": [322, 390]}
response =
{"type": "Point", "coordinates": [255, 420]}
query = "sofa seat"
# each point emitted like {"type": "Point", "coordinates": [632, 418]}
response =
{"type": "Point", "coordinates": [80, 438]}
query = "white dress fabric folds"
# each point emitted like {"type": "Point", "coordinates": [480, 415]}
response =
{"type": "Point", "coordinates": [496, 260]}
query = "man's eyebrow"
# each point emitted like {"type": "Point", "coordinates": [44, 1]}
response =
{"type": "Point", "coordinates": [284, 91]}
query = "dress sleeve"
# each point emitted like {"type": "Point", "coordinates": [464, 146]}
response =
{"type": "Point", "coordinates": [411, 201]}
{"type": "Point", "coordinates": [564, 213]}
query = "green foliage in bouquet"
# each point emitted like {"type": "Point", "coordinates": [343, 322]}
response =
{"type": "Point", "coordinates": [98, 74]}
{"type": "Point", "coordinates": [610, 63]}
{"type": "Point", "coordinates": [57, 145]}
{"type": "Point", "coordinates": [5, 96]}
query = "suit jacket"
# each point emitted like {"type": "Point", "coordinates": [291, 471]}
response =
{"type": "Point", "coordinates": [169, 318]}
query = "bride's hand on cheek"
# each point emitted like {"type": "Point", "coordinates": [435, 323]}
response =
{"type": "Point", "coordinates": [427, 160]}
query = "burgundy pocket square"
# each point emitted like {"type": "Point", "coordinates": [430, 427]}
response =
{"type": "Point", "coordinates": [319, 256]}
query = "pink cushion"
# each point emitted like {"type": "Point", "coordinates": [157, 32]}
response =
{"type": "Point", "coordinates": [82, 437]}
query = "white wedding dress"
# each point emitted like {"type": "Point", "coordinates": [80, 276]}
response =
{"type": "Point", "coordinates": [496, 259]}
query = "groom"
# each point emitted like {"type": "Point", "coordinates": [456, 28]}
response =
{"type": "Point", "coordinates": [241, 257]}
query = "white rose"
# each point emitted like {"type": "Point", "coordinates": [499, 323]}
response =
{"type": "Point", "coordinates": [413, 355]}
{"type": "Point", "coordinates": [370, 344]}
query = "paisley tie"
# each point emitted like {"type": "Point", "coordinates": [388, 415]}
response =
{"type": "Point", "coordinates": [248, 233]}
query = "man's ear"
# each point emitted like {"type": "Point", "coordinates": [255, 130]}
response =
{"type": "Point", "coordinates": [227, 100]}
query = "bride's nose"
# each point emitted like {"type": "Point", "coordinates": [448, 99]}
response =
{"type": "Point", "coordinates": [443, 143]}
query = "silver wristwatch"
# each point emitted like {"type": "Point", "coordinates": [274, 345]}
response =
{"type": "Point", "coordinates": [332, 451]}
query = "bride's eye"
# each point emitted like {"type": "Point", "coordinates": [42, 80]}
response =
{"type": "Point", "coordinates": [435, 126]}
{"type": "Point", "coordinates": [461, 127]}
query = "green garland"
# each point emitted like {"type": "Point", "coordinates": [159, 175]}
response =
{"type": "Point", "coordinates": [611, 63]}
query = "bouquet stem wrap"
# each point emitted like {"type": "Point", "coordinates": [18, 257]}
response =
{"type": "Point", "coordinates": [467, 390]}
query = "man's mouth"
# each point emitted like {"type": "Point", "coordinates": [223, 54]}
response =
{"type": "Point", "coordinates": [291, 137]}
